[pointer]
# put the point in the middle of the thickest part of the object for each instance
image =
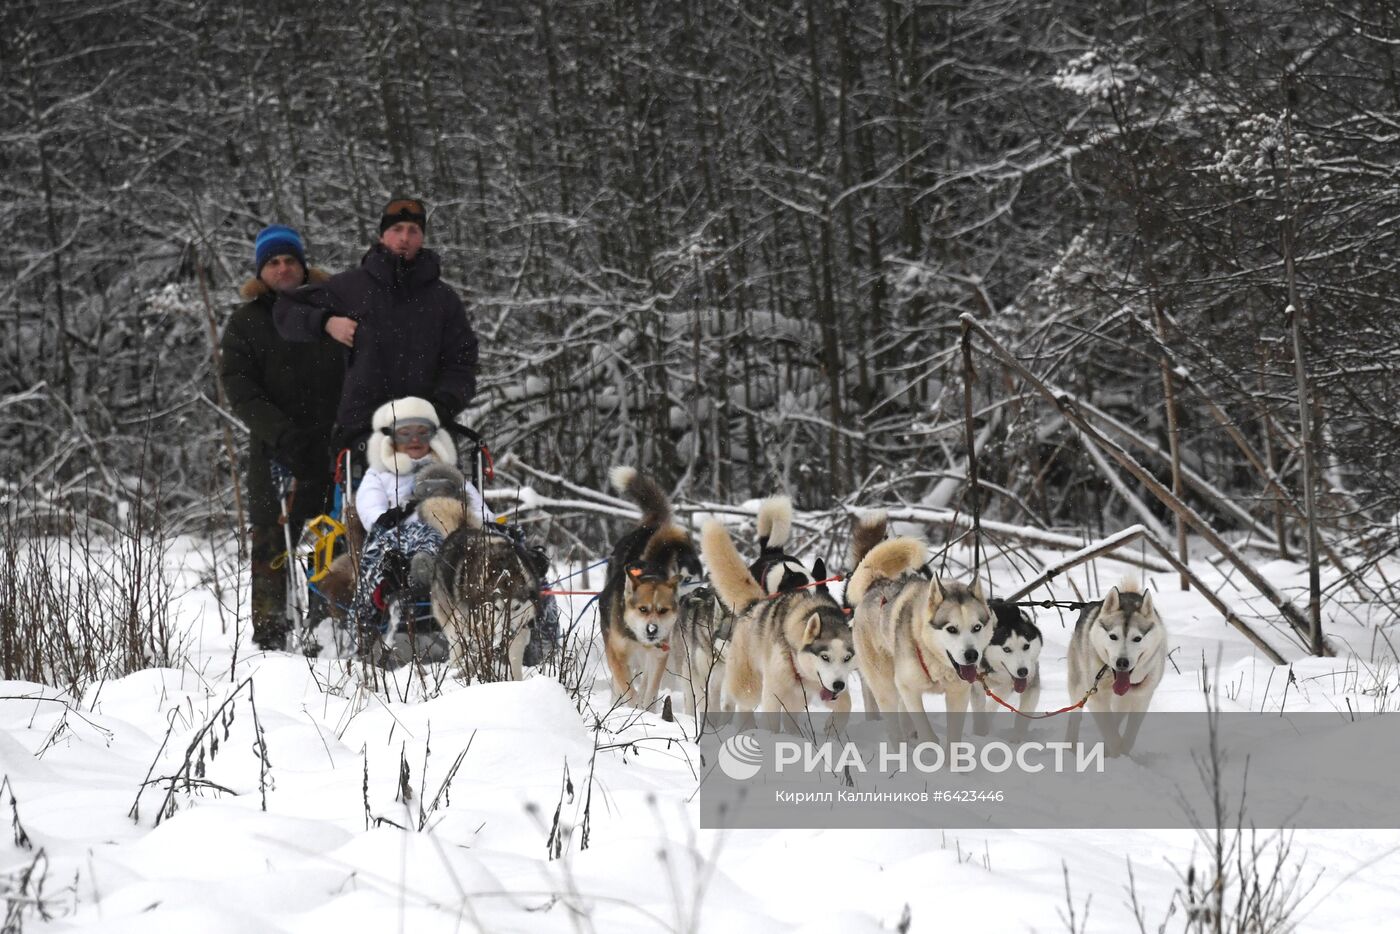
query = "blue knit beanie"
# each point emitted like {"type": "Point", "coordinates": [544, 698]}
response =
{"type": "Point", "coordinates": [276, 240]}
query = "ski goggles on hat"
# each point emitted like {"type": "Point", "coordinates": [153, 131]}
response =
{"type": "Point", "coordinates": [405, 206]}
{"type": "Point", "coordinates": [404, 210]}
{"type": "Point", "coordinates": [408, 434]}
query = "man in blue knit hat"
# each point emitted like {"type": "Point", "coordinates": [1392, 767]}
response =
{"type": "Point", "coordinates": [279, 258]}
{"type": "Point", "coordinates": [287, 394]}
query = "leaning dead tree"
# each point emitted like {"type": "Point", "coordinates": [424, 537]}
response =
{"type": "Point", "coordinates": [1069, 408]}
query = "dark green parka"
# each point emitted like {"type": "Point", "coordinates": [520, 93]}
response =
{"type": "Point", "coordinates": [287, 394]}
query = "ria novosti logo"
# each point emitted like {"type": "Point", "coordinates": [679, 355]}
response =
{"type": "Point", "coordinates": [740, 757]}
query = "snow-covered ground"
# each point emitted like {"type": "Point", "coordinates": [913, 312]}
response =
{"type": "Point", "coordinates": [514, 807]}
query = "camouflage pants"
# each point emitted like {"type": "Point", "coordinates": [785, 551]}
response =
{"type": "Point", "coordinates": [386, 558]}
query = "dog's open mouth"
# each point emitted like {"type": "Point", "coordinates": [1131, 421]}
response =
{"type": "Point", "coordinates": [967, 672]}
{"type": "Point", "coordinates": [1020, 684]}
{"type": "Point", "coordinates": [828, 694]}
{"type": "Point", "coordinates": [1122, 682]}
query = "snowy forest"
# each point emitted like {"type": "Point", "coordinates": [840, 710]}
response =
{"type": "Point", "coordinates": [732, 243]}
{"type": "Point", "coordinates": [1096, 299]}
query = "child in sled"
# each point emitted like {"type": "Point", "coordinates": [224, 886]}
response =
{"type": "Point", "coordinates": [410, 458]}
{"type": "Point", "coordinates": [407, 438]}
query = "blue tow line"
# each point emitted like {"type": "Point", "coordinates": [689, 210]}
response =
{"type": "Point", "coordinates": [591, 600]}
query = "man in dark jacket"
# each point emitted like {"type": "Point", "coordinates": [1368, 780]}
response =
{"type": "Point", "coordinates": [287, 396]}
{"type": "Point", "coordinates": [407, 331]}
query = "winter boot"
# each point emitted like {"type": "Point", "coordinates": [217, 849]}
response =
{"type": "Point", "coordinates": [270, 635]}
{"type": "Point", "coordinates": [544, 632]}
{"type": "Point", "coordinates": [413, 632]}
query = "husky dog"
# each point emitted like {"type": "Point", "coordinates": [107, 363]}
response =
{"type": "Point", "coordinates": [483, 590]}
{"type": "Point", "coordinates": [787, 648]}
{"type": "Point", "coordinates": [1010, 665]}
{"type": "Point", "coordinates": [337, 588]}
{"type": "Point", "coordinates": [698, 641]}
{"type": "Point", "coordinates": [640, 600]}
{"type": "Point", "coordinates": [915, 635]}
{"type": "Point", "coordinates": [775, 570]}
{"type": "Point", "coordinates": [706, 624]}
{"type": "Point", "coordinates": [1123, 637]}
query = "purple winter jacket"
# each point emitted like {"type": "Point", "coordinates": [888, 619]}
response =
{"type": "Point", "coordinates": [413, 338]}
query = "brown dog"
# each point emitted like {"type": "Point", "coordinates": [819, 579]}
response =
{"type": "Point", "coordinates": [637, 609]}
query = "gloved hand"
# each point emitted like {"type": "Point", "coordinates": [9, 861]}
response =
{"type": "Point", "coordinates": [538, 559]}
{"type": "Point", "coordinates": [394, 572]}
{"type": "Point", "coordinates": [305, 453]}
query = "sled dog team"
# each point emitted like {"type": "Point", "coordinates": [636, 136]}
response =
{"type": "Point", "coordinates": [779, 643]}
{"type": "Point", "coordinates": [768, 637]}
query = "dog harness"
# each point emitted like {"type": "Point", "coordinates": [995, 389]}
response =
{"type": "Point", "coordinates": [827, 694]}
{"type": "Point", "coordinates": [919, 654]}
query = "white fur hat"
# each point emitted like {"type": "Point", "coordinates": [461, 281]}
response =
{"type": "Point", "coordinates": [380, 451]}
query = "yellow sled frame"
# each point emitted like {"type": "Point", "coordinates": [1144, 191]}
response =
{"type": "Point", "coordinates": [326, 530]}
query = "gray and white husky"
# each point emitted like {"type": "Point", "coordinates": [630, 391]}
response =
{"type": "Point", "coordinates": [705, 625]}
{"type": "Point", "coordinates": [916, 635]}
{"type": "Point", "coordinates": [483, 591]}
{"type": "Point", "coordinates": [1010, 667]}
{"type": "Point", "coordinates": [788, 649]}
{"type": "Point", "coordinates": [1120, 646]}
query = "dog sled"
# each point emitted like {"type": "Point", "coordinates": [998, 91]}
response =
{"type": "Point", "coordinates": [371, 594]}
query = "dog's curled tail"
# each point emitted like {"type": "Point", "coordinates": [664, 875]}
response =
{"type": "Point", "coordinates": [670, 551]}
{"type": "Point", "coordinates": [774, 523]}
{"type": "Point", "coordinates": [869, 531]}
{"type": "Point", "coordinates": [886, 561]}
{"type": "Point", "coordinates": [728, 572]}
{"type": "Point", "coordinates": [447, 514]}
{"type": "Point", "coordinates": [656, 507]}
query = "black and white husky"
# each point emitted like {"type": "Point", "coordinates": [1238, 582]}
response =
{"type": "Point", "coordinates": [1010, 667]}
{"type": "Point", "coordinates": [775, 570]}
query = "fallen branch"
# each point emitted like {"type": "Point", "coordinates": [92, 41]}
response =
{"type": "Point", "coordinates": [1030, 536]}
{"type": "Point", "coordinates": [1204, 488]}
{"type": "Point", "coordinates": [1068, 407]}
{"type": "Point", "coordinates": [1134, 501]}
{"type": "Point", "coordinates": [1094, 550]}
{"type": "Point", "coordinates": [1128, 536]}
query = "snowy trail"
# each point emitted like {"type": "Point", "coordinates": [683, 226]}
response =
{"type": "Point", "coordinates": [316, 860]}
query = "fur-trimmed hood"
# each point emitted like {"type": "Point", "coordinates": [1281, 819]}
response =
{"type": "Point", "coordinates": [255, 288]}
{"type": "Point", "coordinates": [380, 451]}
